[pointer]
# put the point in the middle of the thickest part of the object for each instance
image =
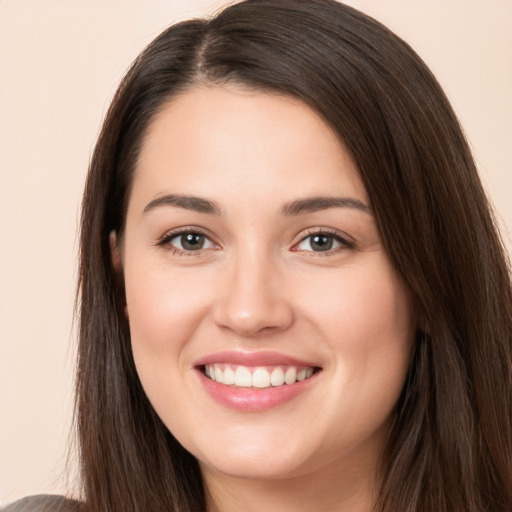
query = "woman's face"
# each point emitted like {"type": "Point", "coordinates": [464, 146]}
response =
{"type": "Point", "coordinates": [269, 329]}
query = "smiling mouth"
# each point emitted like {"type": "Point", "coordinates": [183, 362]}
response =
{"type": "Point", "coordinates": [260, 377]}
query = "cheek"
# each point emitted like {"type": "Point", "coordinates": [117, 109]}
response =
{"type": "Point", "coordinates": [365, 306]}
{"type": "Point", "coordinates": [368, 323]}
{"type": "Point", "coordinates": [164, 312]}
{"type": "Point", "coordinates": [379, 313]}
{"type": "Point", "coordinates": [365, 316]}
{"type": "Point", "coordinates": [162, 306]}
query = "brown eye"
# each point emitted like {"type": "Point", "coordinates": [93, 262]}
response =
{"type": "Point", "coordinates": [322, 242]}
{"type": "Point", "coordinates": [190, 241]}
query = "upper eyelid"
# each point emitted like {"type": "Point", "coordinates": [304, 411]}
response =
{"type": "Point", "coordinates": [341, 235]}
{"type": "Point", "coordinates": [168, 235]}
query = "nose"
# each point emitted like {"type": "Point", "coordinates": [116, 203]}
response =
{"type": "Point", "coordinates": [254, 299]}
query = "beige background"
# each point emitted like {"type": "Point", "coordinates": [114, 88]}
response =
{"type": "Point", "coordinates": [60, 62]}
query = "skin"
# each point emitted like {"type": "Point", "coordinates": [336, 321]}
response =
{"type": "Point", "coordinates": [259, 284]}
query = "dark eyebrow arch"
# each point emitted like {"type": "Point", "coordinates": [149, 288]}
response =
{"type": "Point", "coordinates": [196, 204]}
{"type": "Point", "coordinates": [315, 204]}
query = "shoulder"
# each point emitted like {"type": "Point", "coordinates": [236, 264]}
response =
{"type": "Point", "coordinates": [45, 503]}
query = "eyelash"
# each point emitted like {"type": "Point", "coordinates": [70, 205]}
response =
{"type": "Point", "coordinates": [345, 244]}
{"type": "Point", "coordinates": [332, 233]}
{"type": "Point", "coordinates": [165, 240]}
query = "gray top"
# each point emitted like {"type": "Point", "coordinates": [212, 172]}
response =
{"type": "Point", "coordinates": [45, 503]}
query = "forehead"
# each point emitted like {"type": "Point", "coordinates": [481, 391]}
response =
{"type": "Point", "coordinates": [224, 140]}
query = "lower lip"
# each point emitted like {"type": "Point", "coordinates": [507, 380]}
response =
{"type": "Point", "coordinates": [253, 399]}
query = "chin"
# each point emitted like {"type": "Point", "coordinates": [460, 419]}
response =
{"type": "Point", "coordinates": [257, 453]}
{"type": "Point", "coordinates": [256, 466]}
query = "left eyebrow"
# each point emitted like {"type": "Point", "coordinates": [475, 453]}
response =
{"type": "Point", "coordinates": [315, 204]}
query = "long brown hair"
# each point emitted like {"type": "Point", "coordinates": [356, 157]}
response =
{"type": "Point", "coordinates": [451, 441]}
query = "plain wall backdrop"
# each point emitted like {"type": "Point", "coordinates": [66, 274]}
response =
{"type": "Point", "coordinates": [60, 63]}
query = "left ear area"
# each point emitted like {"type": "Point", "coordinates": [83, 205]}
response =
{"type": "Point", "coordinates": [117, 265]}
{"type": "Point", "coordinates": [115, 252]}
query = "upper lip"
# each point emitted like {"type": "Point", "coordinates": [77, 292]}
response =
{"type": "Point", "coordinates": [260, 358]}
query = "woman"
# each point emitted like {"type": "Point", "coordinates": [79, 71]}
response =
{"type": "Point", "coordinates": [292, 291]}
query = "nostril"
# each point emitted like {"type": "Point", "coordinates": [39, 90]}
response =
{"type": "Point", "coordinates": [255, 318]}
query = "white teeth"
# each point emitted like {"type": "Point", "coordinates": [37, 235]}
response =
{"type": "Point", "coordinates": [261, 377]}
{"type": "Point", "coordinates": [243, 377]}
{"type": "Point", "coordinates": [290, 376]}
{"type": "Point", "coordinates": [229, 376]}
{"type": "Point", "coordinates": [277, 377]}
{"type": "Point", "coordinates": [219, 375]}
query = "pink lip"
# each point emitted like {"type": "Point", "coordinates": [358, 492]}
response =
{"type": "Point", "coordinates": [252, 399]}
{"type": "Point", "coordinates": [262, 358]}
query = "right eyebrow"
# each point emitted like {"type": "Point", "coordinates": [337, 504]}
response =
{"type": "Point", "coordinates": [193, 203]}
